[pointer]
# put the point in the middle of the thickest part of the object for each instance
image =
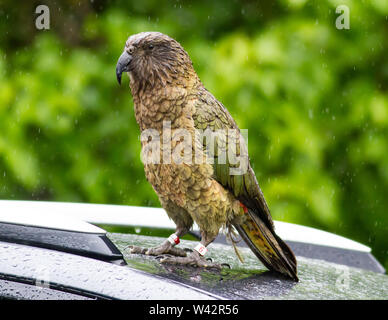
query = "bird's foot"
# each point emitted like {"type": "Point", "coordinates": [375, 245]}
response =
{"type": "Point", "coordinates": [164, 248]}
{"type": "Point", "coordinates": [193, 259]}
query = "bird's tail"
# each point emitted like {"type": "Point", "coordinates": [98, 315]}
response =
{"type": "Point", "coordinates": [267, 246]}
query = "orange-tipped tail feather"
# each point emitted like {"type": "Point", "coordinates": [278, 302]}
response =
{"type": "Point", "coordinates": [272, 251]}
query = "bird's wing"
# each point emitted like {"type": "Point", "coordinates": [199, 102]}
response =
{"type": "Point", "coordinates": [211, 114]}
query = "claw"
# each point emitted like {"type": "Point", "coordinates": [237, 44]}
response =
{"type": "Point", "coordinates": [214, 266]}
{"type": "Point", "coordinates": [164, 259]}
{"type": "Point", "coordinates": [178, 256]}
{"type": "Point", "coordinates": [136, 249]}
{"type": "Point", "coordinates": [192, 260]}
{"type": "Point", "coordinates": [159, 257]}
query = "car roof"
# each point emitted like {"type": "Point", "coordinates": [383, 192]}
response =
{"type": "Point", "coordinates": [28, 257]}
{"type": "Point", "coordinates": [145, 278]}
{"type": "Point", "coordinates": [88, 277]}
{"type": "Point", "coordinates": [319, 279]}
{"type": "Point", "coordinates": [74, 217]}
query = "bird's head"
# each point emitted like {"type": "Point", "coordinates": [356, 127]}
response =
{"type": "Point", "coordinates": [152, 59]}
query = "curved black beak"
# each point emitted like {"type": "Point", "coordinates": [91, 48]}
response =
{"type": "Point", "coordinates": [123, 65]}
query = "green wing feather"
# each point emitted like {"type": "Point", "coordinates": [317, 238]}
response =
{"type": "Point", "coordinates": [211, 114]}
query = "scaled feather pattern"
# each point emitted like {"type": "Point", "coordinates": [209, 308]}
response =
{"type": "Point", "coordinates": [166, 89]}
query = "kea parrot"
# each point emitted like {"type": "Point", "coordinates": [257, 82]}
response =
{"type": "Point", "coordinates": [167, 90]}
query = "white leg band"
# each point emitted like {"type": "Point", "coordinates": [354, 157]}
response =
{"type": "Point", "coordinates": [173, 239]}
{"type": "Point", "coordinates": [201, 249]}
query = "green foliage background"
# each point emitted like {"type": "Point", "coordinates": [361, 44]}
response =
{"type": "Point", "coordinates": [314, 99]}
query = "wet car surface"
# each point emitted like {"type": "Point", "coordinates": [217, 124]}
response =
{"type": "Point", "coordinates": [318, 279]}
{"type": "Point", "coordinates": [58, 273]}
{"type": "Point", "coordinates": [56, 251]}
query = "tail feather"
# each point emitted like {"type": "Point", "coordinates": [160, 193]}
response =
{"type": "Point", "coordinates": [267, 246]}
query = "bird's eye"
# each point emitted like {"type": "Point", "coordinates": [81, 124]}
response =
{"type": "Point", "coordinates": [130, 50]}
{"type": "Point", "coordinates": [150, 46]}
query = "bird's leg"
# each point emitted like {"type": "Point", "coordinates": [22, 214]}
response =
{"type": "Point", "coordinates": [167, 247]}
{"type": "Point", "coordinates": [197, 256]}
